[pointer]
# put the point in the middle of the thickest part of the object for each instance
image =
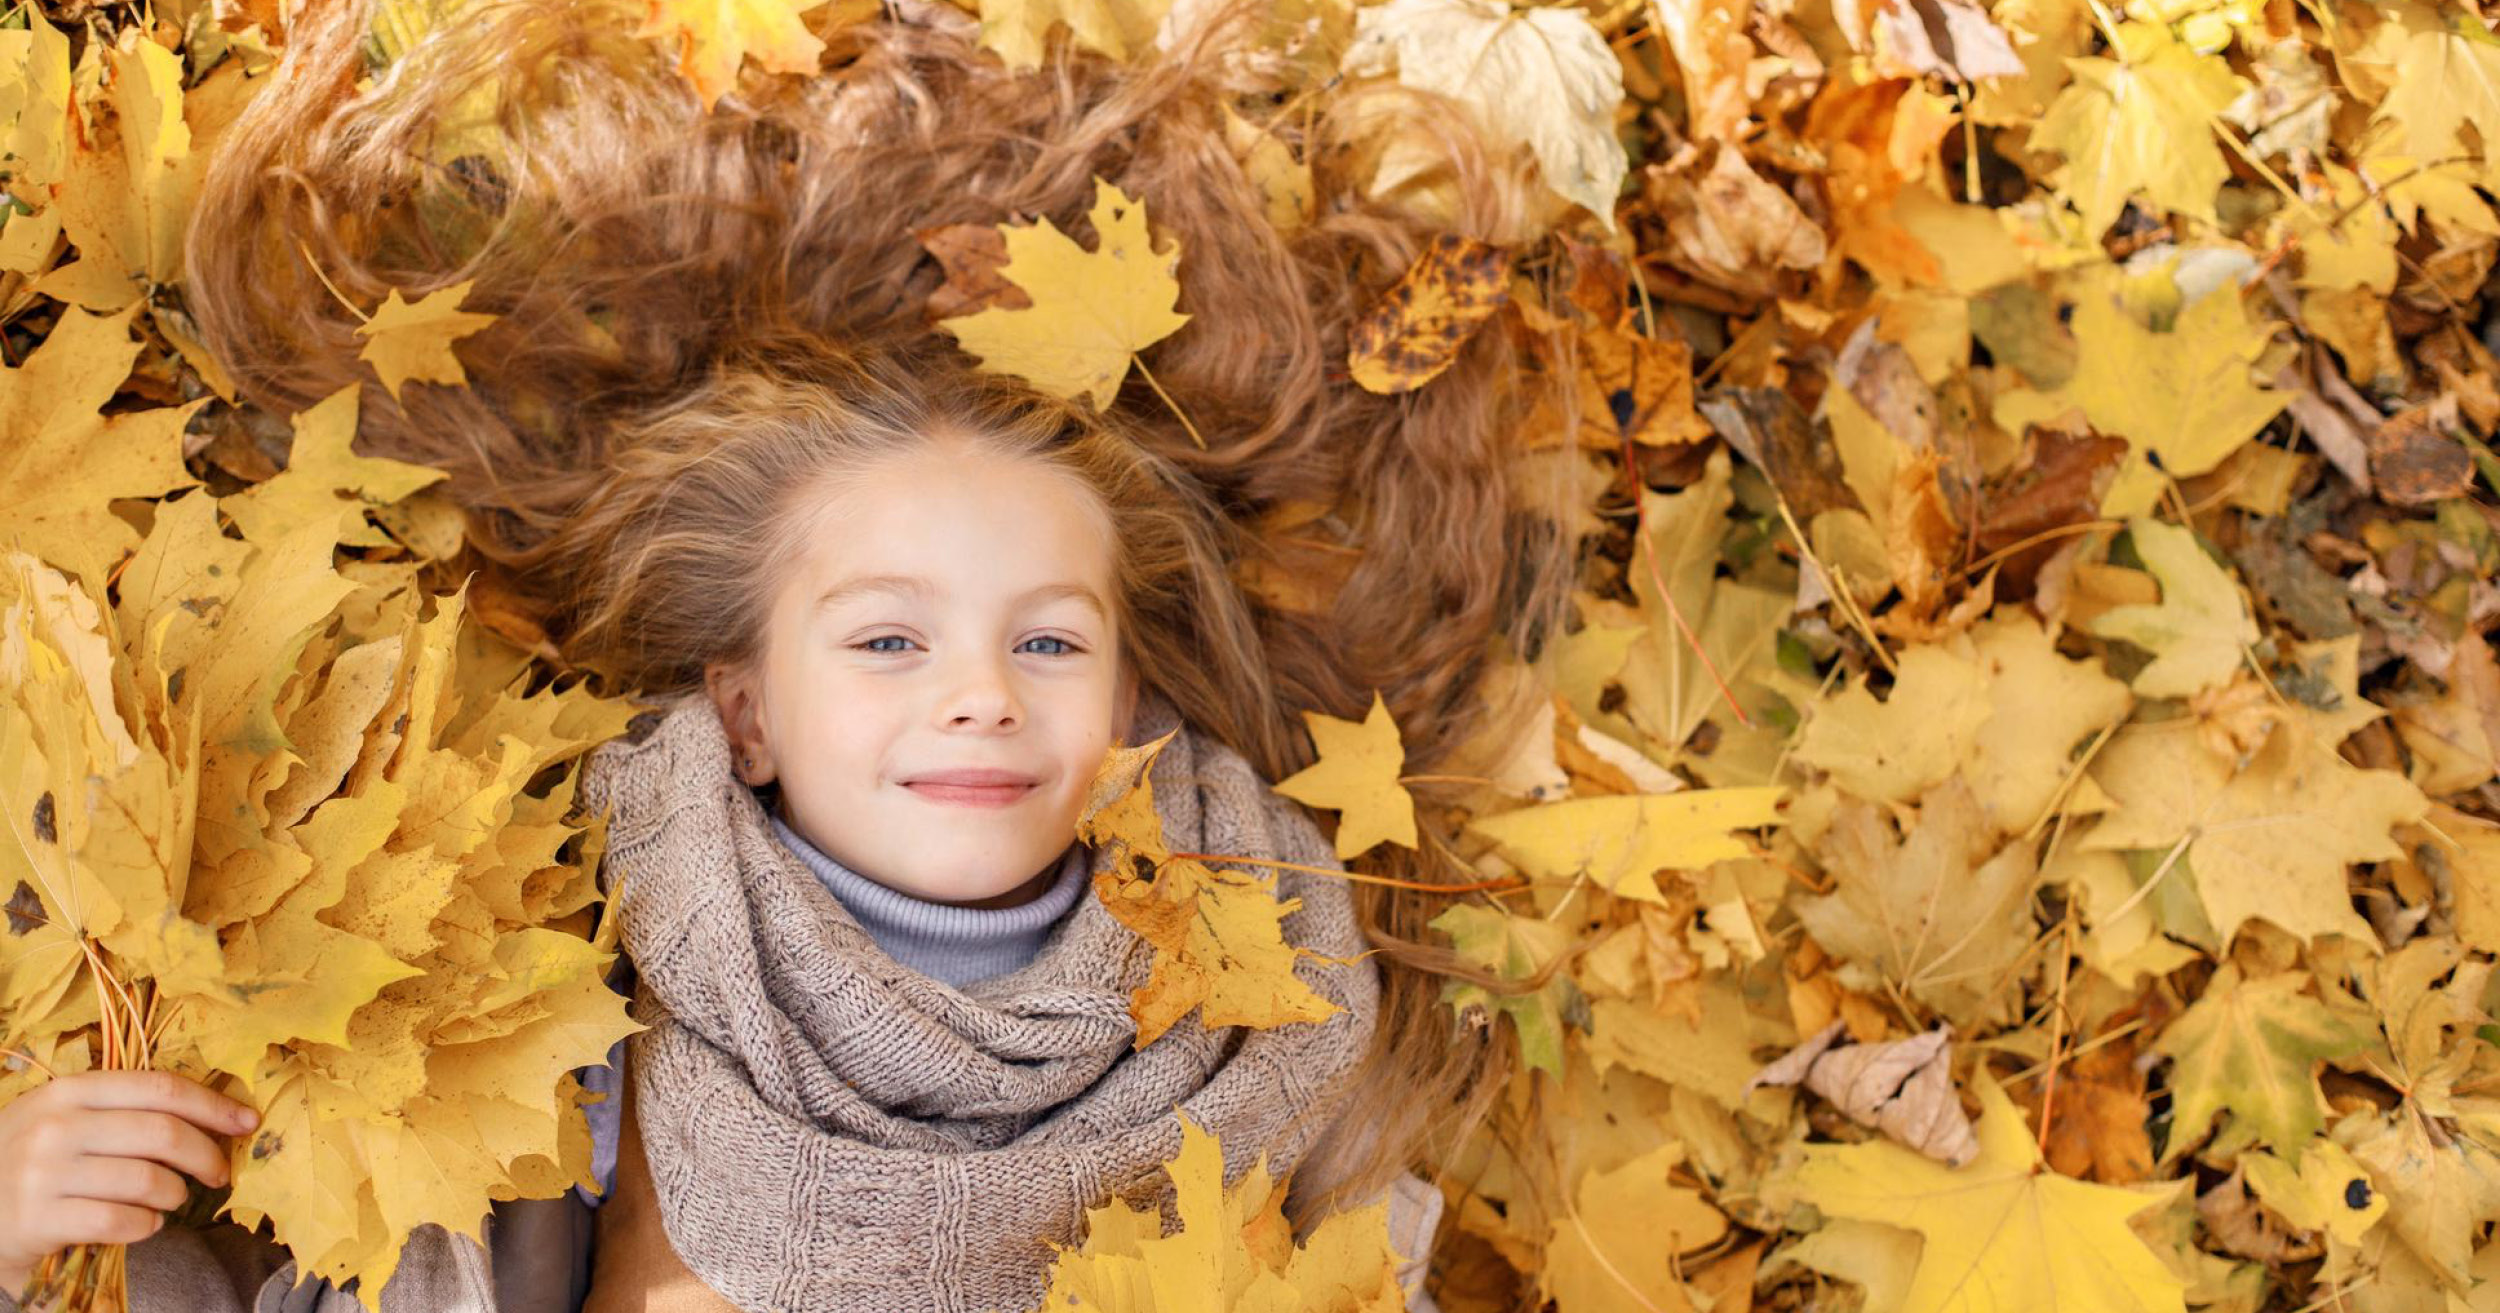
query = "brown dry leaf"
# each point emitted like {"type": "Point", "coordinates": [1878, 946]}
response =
{"type": "Point", "coordinates": [1419, 326]}
{"type": "Point", "coordinates": [1903, 1088]}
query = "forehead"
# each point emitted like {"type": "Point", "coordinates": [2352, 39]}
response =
{"type": "Point", "coordinates": [969, 522]}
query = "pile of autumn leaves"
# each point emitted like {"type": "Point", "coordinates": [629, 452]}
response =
{"type": "Point", "coordinates": [1934, 743]}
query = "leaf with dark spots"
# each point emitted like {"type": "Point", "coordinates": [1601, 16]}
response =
{"type": "Point", "coordinates": [25, 909]}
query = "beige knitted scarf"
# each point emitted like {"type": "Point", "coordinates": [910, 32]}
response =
{"type": "Point", "coordinates": [828, 1129]}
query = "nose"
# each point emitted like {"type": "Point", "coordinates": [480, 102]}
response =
{"type": "Point", "coordinates": [980, 695]}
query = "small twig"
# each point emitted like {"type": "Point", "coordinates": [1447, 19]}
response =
{"type": "Point", "coordinates": [1177, 412]}
{"type": "Point", "coordinates": [361, 316]}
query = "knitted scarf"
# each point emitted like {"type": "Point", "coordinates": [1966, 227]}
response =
{"type": "Point", "coordinates": [827, 1129]}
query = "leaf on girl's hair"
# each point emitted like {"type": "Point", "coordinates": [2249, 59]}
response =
{"type": "Point", "coordinates": [1092, 311]}
{"type": "Point", "coordinates": [412, 341]}
{"type": "Point", "coordinates": [1419, 326]}
{"type": "Point", "coordinates": [1019, 30]}
{"type": "Point", "coordinates": [1514, 948]}
{"type": "Point", "coordinates": [713, 37]}
{"type": "Point", "coordinates": [2003, 1232]}
{"type": "Point", "coordinates": [1357, 777]}
{"type": "Point", "coordinates": [1218, 935]}
{"type": "Point", "coordinates": [1233, 1250]}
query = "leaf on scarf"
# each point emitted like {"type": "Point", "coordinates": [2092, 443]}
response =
{"type": "Point", "coordinates": [1233, 1250]}
{"type": "Point", "coordinates": [2002, 1232]}
{"type": "Point", "coordinates": [1218, 935]}
{"type": "Point", "coordinates": [1357, 777]}
{"type": "Point", "coordinates": [312, 822]}
{"type": "Point", "coordinates": [1092, 311]}
{"type": "Point", "coordinates": [405, 341]}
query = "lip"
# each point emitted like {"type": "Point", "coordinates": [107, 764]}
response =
{"type": "Point", "coordinates": [973, 788]}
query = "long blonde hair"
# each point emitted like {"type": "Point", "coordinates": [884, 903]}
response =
{"type": "Point", "coordinates": [670, 283]}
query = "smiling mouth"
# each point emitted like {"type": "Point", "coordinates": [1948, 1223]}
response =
{"type": "Point", "coordinates": [971, 796]}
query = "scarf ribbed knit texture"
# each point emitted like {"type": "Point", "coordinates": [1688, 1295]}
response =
{"type": "Point", "coordinates": [828, 1129]}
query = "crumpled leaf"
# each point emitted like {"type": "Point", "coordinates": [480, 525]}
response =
{"type": "Point", "coordinates": [1903, 1088]}
{"type": "Point", "coordinates": [1542, 78]}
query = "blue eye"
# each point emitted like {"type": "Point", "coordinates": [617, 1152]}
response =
{"type": "Point", "coordinates": [1065, 648]}
{"type": "Point", "coordinates": [879, 644]}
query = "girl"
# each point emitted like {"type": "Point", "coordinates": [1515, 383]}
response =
{"type": "Point", "coordinates": [890, 1052]}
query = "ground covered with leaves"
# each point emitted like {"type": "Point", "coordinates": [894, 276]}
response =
{"type": "Point", "coordinates": [2011, 822]}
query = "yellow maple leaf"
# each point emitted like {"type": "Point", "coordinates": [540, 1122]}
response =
{"type": "Point", "coordinates": [1218, 935]}
{"type": "Point", "coordinates": [714, 36]}
{"type": "Point", "coordinates": [1622, 843]}
{"type": "Point", "coordinates": [1357, 776]}
{"type": "Point", "coordinates": [2141, 123]}
{"type": "Point", "coordinates": [1894, 750]}
{"type": "Point", "coordinates": [1019, 29]}
{"type": "Point", "coordinates": [64, 463]}
{"type": "Point", "coordinates": [2185, 395]}
{"type": "Point", "coordinates": [1615, 1250]}
{"type": "Point", "coordinates": [1233, 1250]}
{"type": "Point", "coordinates": [406, 341]}
{"type": "Point", "coordinates": [2002, 1232]}
{"type": "Point", "coordinates": [1092, 311]}
{"type": "Point", "coordinates": [2445, 74]}
{"type": "Point", "coordinates": [2200, 628]}
{"type": "Point", "coordinates": [2269, 840]}
{"type": "Point", "coordinates": [322, 465]}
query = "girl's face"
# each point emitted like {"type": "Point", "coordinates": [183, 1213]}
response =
{"type": "Point", "coordinates": [940, 678]}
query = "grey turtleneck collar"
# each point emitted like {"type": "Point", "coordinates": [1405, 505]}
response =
{"type": "Point", "coordinates": [958, 945]}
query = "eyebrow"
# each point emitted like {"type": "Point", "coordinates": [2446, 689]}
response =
{"type": "Point", "coordinates": [913, 586]}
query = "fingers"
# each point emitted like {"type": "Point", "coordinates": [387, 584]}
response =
{"type": "Point", "coordinates": [127, 1181]}
{"type": "Point", "coordinates": [162, 1091]}
{"type": "Point", "coordinates": [154, 1136]}
{"type": "Point", "coordinates": [93, 1221]}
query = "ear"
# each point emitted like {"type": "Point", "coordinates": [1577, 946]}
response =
{"type": "Point", "coordinates": [736, 692]}
{"type": "Point", "coordinates": [1124, 705]}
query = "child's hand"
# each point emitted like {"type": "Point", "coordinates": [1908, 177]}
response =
{"type": "Point", "coordinates": [91, 1158]}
